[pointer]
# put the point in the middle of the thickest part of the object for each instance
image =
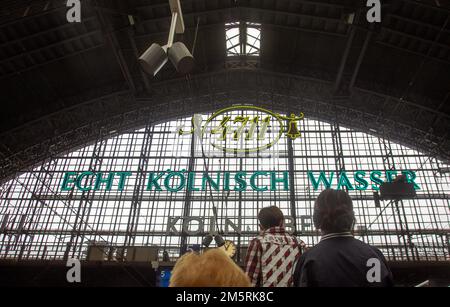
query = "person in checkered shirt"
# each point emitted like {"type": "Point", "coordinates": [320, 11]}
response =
{"type": "Point", "coordinates": [271, 255]}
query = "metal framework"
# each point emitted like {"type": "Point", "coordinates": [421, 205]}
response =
{"type": "Point", "coordinates": [406, 119]}
{"type": "Point", "coordinates": [243, 38]}
{"type": "Point", "coordinates": [73, 126]}
{"type": "Point", "coordinates": [39, 221]}
{"type": "Point", "coordinates": [42, 225]}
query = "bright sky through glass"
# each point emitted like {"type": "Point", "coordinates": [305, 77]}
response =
{"type": "Point", "coordinates": [34, 202]}
{"type": "Point", "coordinates": [252, 36]}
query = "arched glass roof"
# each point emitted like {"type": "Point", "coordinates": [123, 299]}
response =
{"type": "Point", "coordinates": [42, 220]}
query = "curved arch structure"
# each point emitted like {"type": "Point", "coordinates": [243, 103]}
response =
{"type": "Point", "coordinates": [40, 219]}
{"type": "Point", "coordinates": [120, 111]}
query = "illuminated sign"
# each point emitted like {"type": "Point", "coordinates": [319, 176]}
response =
{"type": "Point", "coordinates": [175, 181]}
{"type": "Point", "coordinates": [230, 130]}
{"type": "Point", "coordinates": [361, 180]}
{"type": "Point", "coordinates": [258, 181]}
{"type": "Point", "coordinates": [239, 133]}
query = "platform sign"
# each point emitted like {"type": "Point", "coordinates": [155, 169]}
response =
{"type": "Point", "coordinates": [164, 277]}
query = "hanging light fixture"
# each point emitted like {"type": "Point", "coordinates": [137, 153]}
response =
{"type": "Point", "coordinates": [181, 58]}
{"type": "Point", "coordinates": [217, 238]}
{"type": "Point", "coordinates": [207, 240]}
{"type": "Point", "coordinates": [155, 57]}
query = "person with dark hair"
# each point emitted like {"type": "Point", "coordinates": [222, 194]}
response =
{"type": "Point", "coordinates": [271, 256]}
{"type": "Point", "coordinates": [340, 260]}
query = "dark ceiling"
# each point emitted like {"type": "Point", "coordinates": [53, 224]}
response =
{"type": "Point", "coordinates": [57, 77]}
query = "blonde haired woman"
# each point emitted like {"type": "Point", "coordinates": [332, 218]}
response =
{"type": "Point", "coordinates": [212, 268]}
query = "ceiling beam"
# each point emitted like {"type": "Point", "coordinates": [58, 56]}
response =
{"type": "Point", "coordinates": [423, 55]}
{"type": "Point", "coordinates": [67, 55]}
{"type": "Point", "coordinates": [360, 59]}
{"type": "Point", "coordinates": [130, 35]}
{"type": "Point", "coordinates": [111, 38]}
{"type": "Point", "coordinates": [122, 112]}
{"type": "Point", "coordinates": [417, 22]}
{"type": "Point", "coordinates": [43, 12]}
{"type": "Point", "coordinates": [50, 30]}
{"type": "Point", "coordinates": [344, 58]}
{"type": "Point", "coordinates": [87, 34]}
{"type": "Point", "coordinates": [446, 47]}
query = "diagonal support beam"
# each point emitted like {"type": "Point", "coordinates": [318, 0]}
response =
{"type": "Point", "coordinates": [338, 82]}
{"type": "Point", "coordinates": [112, 40]}
{"type": "Point", "coordinates": [144, 77]}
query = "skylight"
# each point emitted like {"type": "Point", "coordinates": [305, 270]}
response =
{"type": "Point", "coordinates": [243, 38]}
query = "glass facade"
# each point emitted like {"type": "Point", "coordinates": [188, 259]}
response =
{"type": "Point", "coordinates": [40, 221]}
